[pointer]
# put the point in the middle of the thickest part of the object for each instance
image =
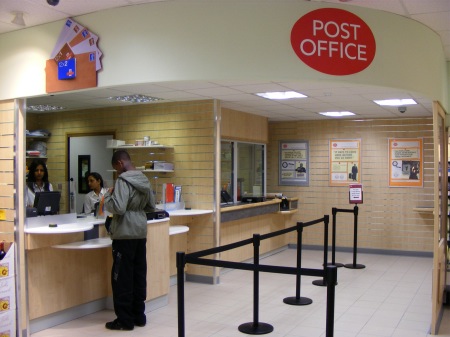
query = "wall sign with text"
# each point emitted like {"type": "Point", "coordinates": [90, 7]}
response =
{"type": "Point", "coordinates": [406, 162]}
{"type": "Point", "coordinates": [294, 163]}
{"type": "Point", "coordinates": [345, 161]}
{"type": "Point", "coordinates": [333, 41]}
{"type": "Point", "coordinates": [355, 194]}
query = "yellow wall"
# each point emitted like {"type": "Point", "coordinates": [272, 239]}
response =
{"type": "Point", "coordinates": [242, 126]}
{"type": "Point", "coordinates": [386, 218]}
{"type": "Point", "coordinates": [187, 126]}
{"type": "Point", "coordinates": [7, 154]}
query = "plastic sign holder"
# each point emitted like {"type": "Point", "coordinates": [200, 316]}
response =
{"type": "Point", "coordinates": [355, 194]}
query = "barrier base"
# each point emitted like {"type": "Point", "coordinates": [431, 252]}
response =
{"type": "Point", "coordinates": [320, 283]}
{"type": "Point", "coordinates": [354, 266]}
{"type": "Point", "coordinates": [297, 301]}
{"type": "Point", "coordinates": [255, 328]}
{"type": "Point", "coordinates": [337, 264]}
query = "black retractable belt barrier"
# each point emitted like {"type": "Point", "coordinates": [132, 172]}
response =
{"type": "Point", "coordinates": [323, 281]}
{"type": "Point", "coordinates": [328, 272]}
{"type": "Point", "coordinates": [255, 327]}
{"type": "Point", "coordinates": [297, 300]}
{"type": "Point", "coordinates": [354, 265]}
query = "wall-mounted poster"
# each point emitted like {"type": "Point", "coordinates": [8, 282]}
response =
{"type": "Point", "coordinates": [406, 162]}
{"type": "Point", "coordinates": [345, 161]}
{"type": "Point", "coordinates": [294, 163]}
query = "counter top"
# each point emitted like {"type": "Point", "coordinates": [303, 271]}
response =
{"type": "Point", "coordinates": [246, 205]}
{"type": "Point", "coordinates": [105, 242]}
{"type": "Point", "coordinates": [184, 212]}
{"type": "Point", "coordinates": [174, 230]}
{"type": "Point", "coordinates": [65, 223]}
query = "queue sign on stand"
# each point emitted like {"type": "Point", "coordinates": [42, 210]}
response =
{"type": "Point", "coordinates": [355, 197]}
{"type": "Point", "coordinates": [355, 194]}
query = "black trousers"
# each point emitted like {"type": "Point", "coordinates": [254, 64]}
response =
{"type": "Point", "coordinates": [129, 280]}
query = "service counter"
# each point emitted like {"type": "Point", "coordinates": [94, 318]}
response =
{"type": "Point", "coordinates": [199, 224]}
{"type": "Point", "coordinates": [239, 222]}
{"type": "Point", "coordinates": [69, 276]}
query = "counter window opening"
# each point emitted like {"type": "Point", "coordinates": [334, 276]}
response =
{"type": "Point", "coordinates": [242, 170]}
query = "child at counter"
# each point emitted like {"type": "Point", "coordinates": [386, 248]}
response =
{"type": "Point", "coordinates": [95, 182]}
{"type": "Point", "coordinates": [37, 181]}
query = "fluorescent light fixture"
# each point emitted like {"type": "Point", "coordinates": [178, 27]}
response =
{"type": "Point", "coordinates": [281, 95]}
{"type": "Point", "coordinates": [395, 102]}
{"type": "Point", "coordinates": [135, 99]}
{"type": "Point", "coordinates": [44, 108]}
{"type": "Point", "coordinates": [18, 19]}
{"type": "Point", "coordinates": [337, 113]}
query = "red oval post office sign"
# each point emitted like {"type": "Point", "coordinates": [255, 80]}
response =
{"type": "Point", "coordinates": [333, 41]}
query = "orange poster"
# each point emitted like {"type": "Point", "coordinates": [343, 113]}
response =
{"type": "Point", "coordinates": [406, 162]}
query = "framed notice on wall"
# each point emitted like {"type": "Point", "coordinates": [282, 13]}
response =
{"type": "Point", "coordinates": [406, 162]}
{"type": "Point", "coordinates": [345, 161]}
{"type": "Point", "coordinates": [294, 163]}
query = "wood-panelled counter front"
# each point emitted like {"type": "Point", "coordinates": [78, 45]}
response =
{"type": "Point", "coordinates": [241, 221]}
{"type": "Point", "coordinates": [61, 279]}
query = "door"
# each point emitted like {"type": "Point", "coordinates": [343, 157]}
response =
{"type": "Point", "coordinates": [87, 153]}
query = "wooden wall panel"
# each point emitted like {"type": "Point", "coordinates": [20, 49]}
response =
{"type": "Point", "coordinates": [187, 126]}
{"type": "Point", "coordinates": [386, 218]}
{"type": "Point", "coordinates": [7, 155]}
{"type": "Point", "coordinates": [242, 126]}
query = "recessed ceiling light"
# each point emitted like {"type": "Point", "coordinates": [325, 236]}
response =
{"type": "Point", "coordinates": [395, 102]}
{"type": "Point", "coordinates": [337, 113]}
{"type": "Point", "coordinates": [135, 99]}
{"type": "Point", "coordinates": [281, 95]}
{"type": "Point", "coordinates": [44, 108]}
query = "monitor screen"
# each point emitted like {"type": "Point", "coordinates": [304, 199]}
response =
{"type": "Point", "coordinates": [47, 203]}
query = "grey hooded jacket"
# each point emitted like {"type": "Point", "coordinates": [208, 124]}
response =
{"type": "Point", "coordinates": [131, 198]}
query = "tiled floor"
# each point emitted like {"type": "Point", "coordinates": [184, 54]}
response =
{"type": "Point", "coordinates": [390, 297]}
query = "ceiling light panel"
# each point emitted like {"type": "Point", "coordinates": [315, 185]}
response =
{"type": "Point", "coordinates": [275, 95]}
{"type": "Point", "coordinates": [337, 113]}
{"type": "Point", "coordinates": [395, 102]}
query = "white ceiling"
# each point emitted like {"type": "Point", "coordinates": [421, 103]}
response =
{"type": "Point", "coordinates": [239, 96]}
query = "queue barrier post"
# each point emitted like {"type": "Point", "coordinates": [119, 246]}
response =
{"type": "Point", "coordinates": [297, 300]}
{"type": "Point", "coordinates": [333, 240]}
{"type": "Point", "coordinates": [354, 265]}
{"type": "Point", "coordinates": [255, 327]}
{"type": "Point", "coordinates": [181, 262]}
{"type": "Point", "coordinates": [331, 275]}
{"type": "Point", "coordinates": [323, 281]}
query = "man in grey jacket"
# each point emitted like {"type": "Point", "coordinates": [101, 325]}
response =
{"type": "Point", "coordinates": [128, 201]}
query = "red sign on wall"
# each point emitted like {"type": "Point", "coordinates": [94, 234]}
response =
{"type": "Point", "coordinates": [333, 41]}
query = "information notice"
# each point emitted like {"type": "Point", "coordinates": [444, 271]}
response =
{"type": "Point", "coordinates": [345, 162]}
{"type": "Point", "coordinates": [294, 163]}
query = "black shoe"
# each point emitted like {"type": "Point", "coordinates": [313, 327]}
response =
{"type": "Point", "coordinates": [140, 323]}
{"type": "Point", "coordinates": [116, 325]}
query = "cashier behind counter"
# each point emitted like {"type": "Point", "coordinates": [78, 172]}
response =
{"type": "Point", "coordinates": [45, 203]}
